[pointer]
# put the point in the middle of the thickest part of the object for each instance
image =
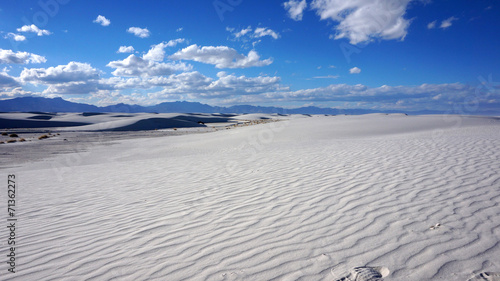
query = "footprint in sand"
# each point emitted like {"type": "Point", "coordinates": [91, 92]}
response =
{"type": "Point", "coordinates": [486, 276]}
{"type": "Point", "coordinates": [366, 273]}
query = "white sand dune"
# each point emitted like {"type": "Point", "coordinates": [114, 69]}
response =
{"type": "Point", "coordinates": [112, 121]}
{"type": "Point", "coordinates": [373, 197]}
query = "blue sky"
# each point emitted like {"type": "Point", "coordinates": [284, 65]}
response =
{"type": "Point", "coordinates": [380, 54]}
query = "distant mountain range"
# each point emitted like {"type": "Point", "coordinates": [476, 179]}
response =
{"type": "Point", "coordinates": [40, 104]}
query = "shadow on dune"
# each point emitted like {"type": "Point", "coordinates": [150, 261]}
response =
{"type": "Point", "coordinates": [16, 124]}
{"type": "Point", "coordinates": [204, 119]}
{"type": "Point", "coordinates": [40, 117]}
{"type": "Point", "coordinates": [181, 121]}
{"type": "Point", "coordinates": [87, 114]}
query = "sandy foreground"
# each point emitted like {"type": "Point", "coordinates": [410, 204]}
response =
{"type": "Point", "coordinates": [372, 197]}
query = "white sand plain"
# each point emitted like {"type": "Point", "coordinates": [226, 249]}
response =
{"type": "Point", "coordinates": [372, 197]}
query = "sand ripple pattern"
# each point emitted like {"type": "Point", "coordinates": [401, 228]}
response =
{"type": "Point", "coordinates": [303, 209]}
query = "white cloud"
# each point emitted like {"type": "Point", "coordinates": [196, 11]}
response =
{"type": "Point", "coordinates": [102, 20]}
{"type": "Point", "coordinates": [295, 9]}
{"type": "Point", "coordinates": [72, 88]}
{"type": "Point", "coordinates": [196, 85]}
{"type": "Point", "coordinates": [33, 28]}
{"type": "Point", "coordinates": [11, 57]}
{"type": "Point", "coordinates": [16, 37]}
{"type": "Point", "coordinates": [354, 70]}
{"type": "Point", "coordinates": [448, 22]}
{"type": "Point", "coordinates": [139, 32]}
{"type": "Point", "coordinates": [249, 33]}
{"type": "Point", "coordinates": [262, 31]}
{"type": "Point", "coordinates": [221, 57]}
{"type": "Point", "coordinates": [240, 85]}
{"type": "Point", "coordinates": [425, 96]}
{"type": "Point", "coordinates": [182, 83]}
{"type": "Point", "coordinates": [444, 24]}
{"type": "Point", "coordinates": [136, 66]}
{"type": "Point", "coordinates": [72, 72]}
{"type": "Point", "coordinates": [179, 29]}
{"type": "Point", "coordinates": [126, 49]}
{"type": "Point", "coordinates": [174, 42]}
{"type": "Point", "coordinates": [157, 52]}
{"type": "Point", "coordinates": [186, 83]}
{"type": "Point", "coordinates": [7, 81]}
{"type": "Point", "coordinates": [365, 20]}
{"type": "Point", "coordinates": [73, 78]}
{"type": "Point", "coordinates": [110, 97]}
{"type": "Point", "coordinates": [242, 32]}
{"type": "Point", "coordinates": [7, 93]}
{"type": "Point", "coordinates": [327, 77]}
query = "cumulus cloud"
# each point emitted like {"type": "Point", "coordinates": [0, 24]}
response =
{"type": "Point", "coordinates": [34, 29]}
{"type": "Point", "coordinates": [242, 32]}
{"type": "Point", "coordinates": [11, 57]}
{"type": "Point", "coordinates": [229, 84]}
{"type": "Point", "coordinates": [72, 72]}
{"type": "Point", "coordinates": [7, 81]}
{"type": "Point", "coordinates": [250, 33]}
{"type": "Point", "coordinates": [221, 57]}
{"type": "Point", "coordinates": [186, 83]}
{"type": "Point", "coordinates": [326, 77]}
{"type": "Point", "coordinates": [174, 42]}
{"type": "Point", "coordinates": [425, 96]}
{"type": "Point", "coordinates": [72, 88]}
{"type": "Point", "coordinates": [432, 25]}
{"type": "Point", "coordinates": [10, 93]}
{"type": "Point", "coordinates": [102, 20]}
{"type": "Point", "coordinates": [448, 22]}
{"type": "Point", "coordinates": [263, 31]}
{"type": "Point", "coordinates": [195, 85]}
{"type": "Point", "coordinates": [355, 70]}
{"type": "Point", "coordinates": [365, 20]}
{"type": "Point", "coordinates": [157, 52]}
{"type": "Point", "coordinates": [139, 32]}
{"type": "Point", "coordinates": [16, 37]}
{"type": "Point", "coordinates": [73, 78]}
{"type": "Point", "coordinates": [126, 49]}
{"type": "Point", "coordinates": [136, 66]}
{"type": "Point", "coordinates": [295, 9]}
